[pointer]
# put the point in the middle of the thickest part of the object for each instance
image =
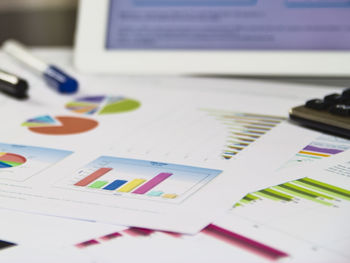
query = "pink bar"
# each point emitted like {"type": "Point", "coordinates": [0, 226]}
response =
{"type": "Point", "coordinates": [92, 177]}
{"type": "Point", "coordinates": [244, 242]}
{"type": "Point", "coordinates": [152, 183]}
{"type": "Point", "coordinates": [87, 243]}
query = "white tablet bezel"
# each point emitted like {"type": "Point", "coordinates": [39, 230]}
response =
{"type": "Point", "coordinates": [92, 56]}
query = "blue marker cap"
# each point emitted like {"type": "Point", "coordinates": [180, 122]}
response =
{"type": "Point", "coordinates": [59, 80]}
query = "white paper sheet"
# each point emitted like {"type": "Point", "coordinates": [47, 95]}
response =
{"type": "Point", "coordinates": [180, 121]}
{"type": "Point", "coordinates": [311, 223]}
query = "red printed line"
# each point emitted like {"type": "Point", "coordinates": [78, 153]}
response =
{"type": "Point", "coordinates": [244, 242]}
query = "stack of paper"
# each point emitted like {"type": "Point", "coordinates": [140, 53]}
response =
{"type": "Point", "coordinates": [174, 169]}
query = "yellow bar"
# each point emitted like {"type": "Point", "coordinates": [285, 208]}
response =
{"type": "Point", "coordinates": [170, 196]}
{"type": "Point", "coordinates": [316, 154]}
{"type": "Point", "coordinates": [131, 185]}
{"type": "Point", "coordinates": [2, 153]}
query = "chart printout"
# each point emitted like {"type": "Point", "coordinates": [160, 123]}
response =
{"type": "Point", "coordinates": [21, 162]}
{"type": "Point", "coordinates": [229, 24]}
{"type": "Point", "coordinates": [324, 196]}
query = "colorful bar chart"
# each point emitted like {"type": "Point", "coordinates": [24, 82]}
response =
{"type": "Point", "coordinates": [322, 147]}
{"type": "Point", "coordinates": [140, 179]}
{"type": "Point", "coordinates": [305, 188]}
{"type": "Point", "coordinates": [243, 129]}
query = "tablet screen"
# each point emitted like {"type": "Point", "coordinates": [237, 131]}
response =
{"type": "Point", "coordinates": [229, 25]}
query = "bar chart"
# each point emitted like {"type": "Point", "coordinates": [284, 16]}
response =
{"type": "Point", "coordinates": [147, 180]}
{"type": "Point", "coordinates": [304, 188]}
{"type": "Point", "coordinates": [322, 147]}
{"type": "Point", "coordinates": [243, 129]}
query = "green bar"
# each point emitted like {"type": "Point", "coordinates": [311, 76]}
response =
{"type": "Point", "coordinates": [237, 205]}
{"type": "Point", "coordinates": [303, 190]}
{"type": "Point", "coordinates": [244, 201]}
{"type": "Point", "coordinates": [252, 197]}
{"type": "Point", "coordinates": [98, 184]}
{"type": "Point", "coordinates": [308, 156]}
{"type": "Point", "coordinates": [283, 196]}
{"type": "Point", "coordinates": [271, 197]}
{"type": "Point", "coordinates": [302, 195]}
{"type": "Point", "coordinates": [246, 198]}
{"type": "Point", "coordinates": [340, 192]}
{"type": "Point", "coordinates": [314, 188]}
{"type": "Point", "coordinates": [280, 197]}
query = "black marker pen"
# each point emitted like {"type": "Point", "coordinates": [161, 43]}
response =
{"type": "Point", "coordinates": [13, 86]}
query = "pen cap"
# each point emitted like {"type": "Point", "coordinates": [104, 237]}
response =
{"type": "Point", "coordinates": [22, 89]}
{"type": "Point", "coordinates": [59, 80]}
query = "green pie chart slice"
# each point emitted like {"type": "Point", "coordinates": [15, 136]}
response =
{"type": "Point", "coordinates": [120, 106]}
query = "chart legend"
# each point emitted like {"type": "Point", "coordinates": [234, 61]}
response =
{"type": "Point", "coordinates": [59, 125]}
{"type": "Point", "coordinates": [102, 105]}
{"type": "Point", "coordinates": [140, 179]}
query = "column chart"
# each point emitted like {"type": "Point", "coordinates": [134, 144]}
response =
{"type": "Point", "coordinates": [140, 179]}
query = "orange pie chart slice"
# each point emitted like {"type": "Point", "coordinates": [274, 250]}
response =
{"type": "Point", "coordinates": [68, 125]}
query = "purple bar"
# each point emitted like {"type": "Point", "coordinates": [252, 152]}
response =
{"type": "Point", "coordinates": [322, 150]}
{"type": "Point", "coordinates": [152, 183]}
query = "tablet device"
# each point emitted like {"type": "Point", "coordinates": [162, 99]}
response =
{"type": "Point", "coordinates": [254, 37]}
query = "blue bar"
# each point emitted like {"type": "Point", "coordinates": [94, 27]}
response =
{"type": "Point", "coordinates": [155, 193]}
{"type": "Point", "coordinates": [114, 185]}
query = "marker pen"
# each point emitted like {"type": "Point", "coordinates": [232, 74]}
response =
{"type": "Point", "coordinates": [53, 76]}
{"type": "Point", "coordinates": [13, 85]}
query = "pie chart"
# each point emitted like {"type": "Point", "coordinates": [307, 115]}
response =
{"type": "Point", "coordinates": [102, 105]}
{"type": "Point", "coordinates": [59, 125]}
{"type": "Point", "coordinates": [8, 160]}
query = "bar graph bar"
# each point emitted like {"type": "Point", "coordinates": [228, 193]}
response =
{"type": "Point", "coordinates": [321, 150]}
{"type": "Point", "coordinates": [92, 177]}
{"type": "Point", "coordinates": [152, 183]}
{"type": "Point", "coordinates": [302, 193]}
{"type": "Point", "coordinates": [274, 195]}
{"type": "Point", "coordinates": [326, 188]}
{"type": "Point", "coordinates": [115, 184]}
{"type": "Point", "coordinates": [170, 196]}
{"type": "Point", "coordinates": [98, 184]}
{"type": "Point", "coordinates": [131, 185]}
{"type": "Point", "coordinates": [155, 193]}
{"type": "Point", "coordinates": [314, 154]}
